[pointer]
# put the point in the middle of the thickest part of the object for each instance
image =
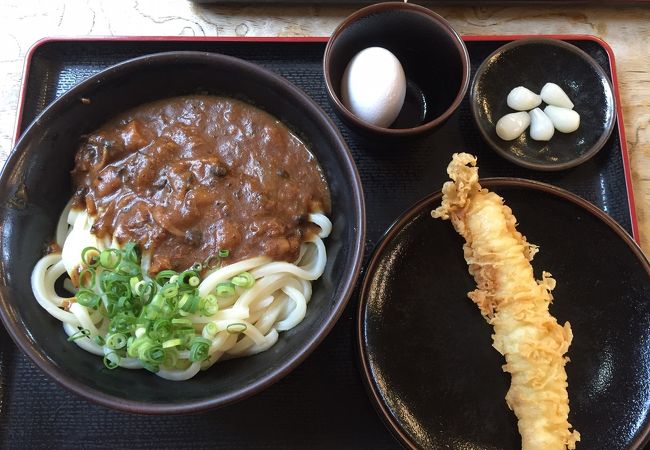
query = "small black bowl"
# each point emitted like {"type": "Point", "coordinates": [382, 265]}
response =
{"type": "Point", "coordinates": [433, 55]}
{"type": "Point", "coordinates": [533, 63]}
{"type": "Point", "coordinates": [35, 186]}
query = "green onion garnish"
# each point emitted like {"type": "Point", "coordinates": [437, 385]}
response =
{"type": "Point", "coordinates": [87, 278]}
{"type": "Point", "coordinates": [224, 253]}
{"type": "Point", "coordinates": [112, 360]}
{"type": "Point", "coordinates": [150, 319]}
{"type": "Point", "coordinates": [208, 306]}
{"type": "Point", "coordinates": [225, 289]}
{"type": "Point", "coordinates": [200, 348]}
{"type": "Point", "coordinates": [244, 280]}
{"type": "Point", "coordinates": [130, 253]}
{"type": "Point", "coordinates": [210, 330]}
{"type": "Point", "coordinates": [171, 343]}
{"type": "Point", "coordinates": [189, 303]}
{"type": "Point", "coordinates": [116, 341]}
{"type": "Point", "coordinates": [84, 332]}
{"type": "Point", "coordinates": [186, 322]}
{"type": "Point", "coordinates": [169, 290]}
{"type": "Point", "coordinates": [164, 276]}
{"type": "Point", "coordinates": [234, 328]}
{"type": "Point", "coordinates": [90, 257]}
{"type": "Point", "coordinates": [86, 297]}
{"type": "Point", "coordinates": [110, 258]}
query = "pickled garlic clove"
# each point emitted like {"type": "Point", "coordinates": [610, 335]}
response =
{"type": "Point", "coordinates": [511, 125]}
{"type": "Point", "coordinates": [554, 95]}
{"type": "Point", "coordinates": [523, 99]}
{"type": "Point", "coordinates": [541, 127]}
{"type": "Point", "coordinates": [564, 120]}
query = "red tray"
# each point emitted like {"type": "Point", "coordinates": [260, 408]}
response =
{"type": "Point", "coordinates": [322, 404]}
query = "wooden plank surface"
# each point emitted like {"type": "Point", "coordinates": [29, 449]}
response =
{"type": "Point", "coordinates": [625, 28]}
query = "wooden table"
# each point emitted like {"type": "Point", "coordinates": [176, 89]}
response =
{"type": "Point", "coordinates": [626, 29]}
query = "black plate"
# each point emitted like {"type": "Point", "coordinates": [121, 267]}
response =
{"type": "Point", "coordinates": [426, 351]}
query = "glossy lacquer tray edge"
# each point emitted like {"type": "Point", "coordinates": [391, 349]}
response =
{"type": "Point", "coordinates": [321, 39]}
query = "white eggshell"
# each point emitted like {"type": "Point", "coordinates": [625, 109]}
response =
{"type": "Point", "coordinates": [373, 86]}
{"type": "Point", "coordinates": [541, 127]}
{"type": "Point", "coordinates": [554, 95]}
{"type": "Point", "coordinates": [511, 125]}
{"type": "Point", "coordinates": [564, 120]}
{"type": "Point", "coordinates": [523, 99]}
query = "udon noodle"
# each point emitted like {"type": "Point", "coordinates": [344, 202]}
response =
{"type": "Point", "coordinates": [245, 319]}
{"type": "Point", "coordinates": [277, 302]}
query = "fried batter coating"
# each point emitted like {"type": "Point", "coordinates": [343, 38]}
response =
{"type": "Point", "coordinates": [515, 304]}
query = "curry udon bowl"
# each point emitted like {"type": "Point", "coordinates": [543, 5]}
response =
{"type": "Point", "coordinates": [35, 186]}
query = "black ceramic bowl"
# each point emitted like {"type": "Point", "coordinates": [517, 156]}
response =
{"type": "Point", "coordinates": [35, 185]}
{"type": "Point", "coordinates": [533, 63]}
{"type": "Point", "coordinates": [433, 55]}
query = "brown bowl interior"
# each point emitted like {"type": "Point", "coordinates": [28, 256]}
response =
{"type": "Point", "coordinates": [434, 58]}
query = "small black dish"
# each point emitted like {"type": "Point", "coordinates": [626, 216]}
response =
{"type": "Point", "coordinates": [434, 58]}
{"type": "Point", "coordinates": [426, 351]}
{"type": "Point", "coordinates": [35, 186]}
{"type": "Point", "coordinates": [533, 63]}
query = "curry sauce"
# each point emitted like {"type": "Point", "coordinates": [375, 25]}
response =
{"type": "Point", "coordinates": [189, 176]}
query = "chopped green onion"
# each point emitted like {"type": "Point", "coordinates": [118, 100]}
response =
{"type": "Point", "coordinates": [225, 289]}
{"type": "Point", "coordinates": [169, 291]}
{"type": "Point", "coordinates": [122, 322]}
{"type": "Point", "coordinates": [210, 330]}
{"type": "Point", "coordinates": [171, 343]}
{"type": "Point", "coordinates": [147, 350]}
{"type": "Point", "coordinates": [145, 290]}
{"type": "Point", "coordinates": [234, 328]}
{"type": "Point", "coordinates": [186, 277]}
{"type": "Point", "coordinates": [200, 348]}
{"type": "Point", "coordinates": [116, 341]}
{"type": "Point", "coordinates": [112, 360]}
{"type": "Point", "coordinates": [84, 332]}
{"type": "Point", "coordinates": [133, 282]}
{"type": "Point", "coordinates": [110, 258]}
{"type": "Point", "coordinates": [149, 319]}
{"type": "Point", "coordinates": [171, 356]}
{"type": "Point", "coordinates": [87, 298]}
{"type": "Point", "coordinates": [208, 306]}
{"type": "Point", "coordinates": [189, 303]}
{"type": "Point", "coordinates": [90, 256]}
{"type": "Point", "coordinates": [161, 329]}
{"type": "Point", "coordinates": [164, 276]}
{"type": "Point", "coordinates": [87, 278]}
{"type": "Point", "coordinates": [187, 322]}
{"type": "Point", "coordinates": [224, 253]}
{"type": "Point", "coordinates": [244, 280]}
{"type": "Point", "coordinates": [129, 268]}
{"type": "Point", "coordinates": [130, 252]}
{"type": "Point", "coordinates": [186, 335]}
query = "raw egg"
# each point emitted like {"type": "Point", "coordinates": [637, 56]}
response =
{"type": "Point", "coordinates": [373, 86]}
